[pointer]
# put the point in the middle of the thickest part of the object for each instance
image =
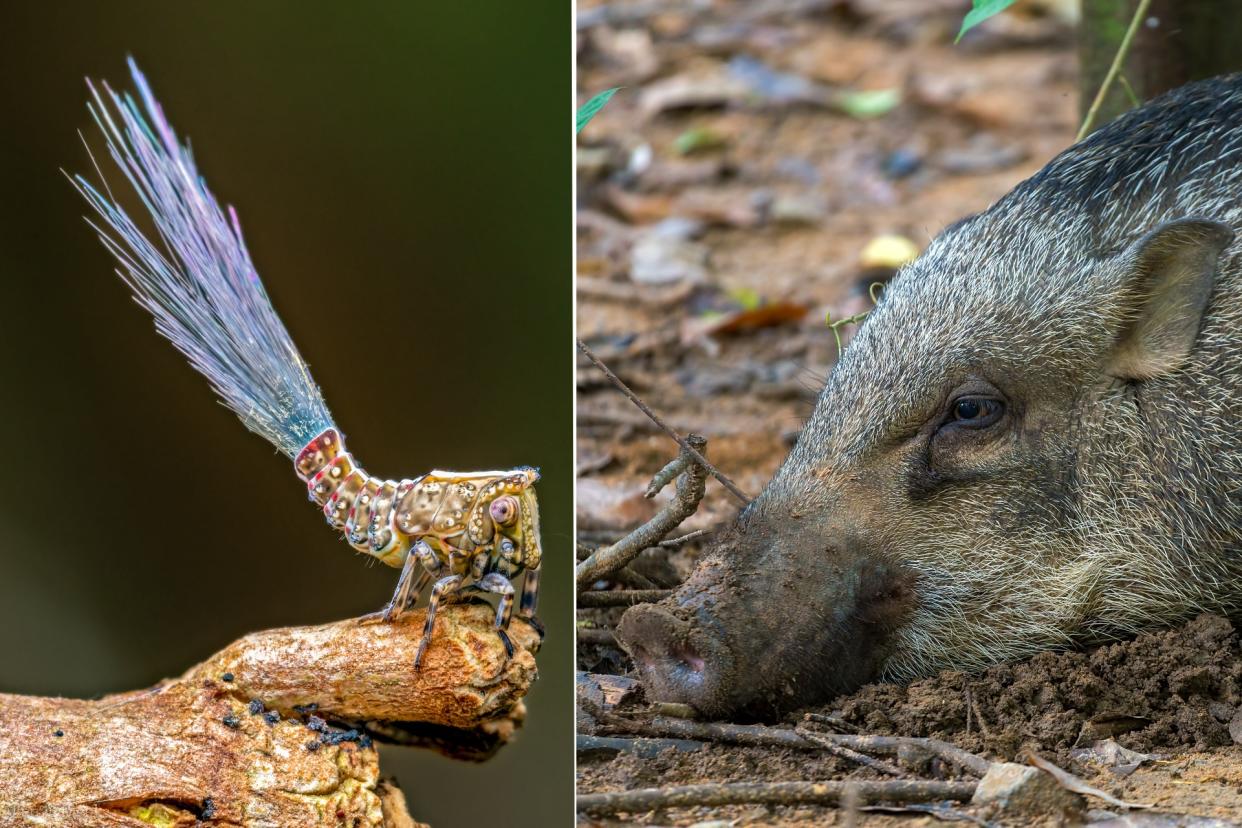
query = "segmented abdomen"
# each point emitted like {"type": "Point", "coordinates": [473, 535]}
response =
{"type": "Point", "coordinates": [383, 517]}
{"type": "Point", "coordinates": [353, 501]}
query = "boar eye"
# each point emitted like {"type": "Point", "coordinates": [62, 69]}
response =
{"type": "Point", "coordinates": [976, 412]}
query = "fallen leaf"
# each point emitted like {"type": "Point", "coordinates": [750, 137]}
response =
{"type": "Point", "coordinates": [1120, 761]}
{"type": "Point", "coordinates": [1070, 782]}
{"type": "Point", "coordinates": [869, 104]}
{"type": "Point", "coordinates": [763, 316]}
{"type": "Point", "coordinates": [698, 139]}
{"type": "Point", "coordinates": [888, 252]}
{"type": "Point", "coordinates": [693, 91]}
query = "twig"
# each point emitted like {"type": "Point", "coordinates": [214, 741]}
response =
{"type": "Point", "coordinates": [624, 575]}
{"type": "Point", "coordinates": [849, 753]}
{"type": "Point", "coordinates": [635, 580]}
{"type": "Point", "coordinates": [772, 793]}
{"type": "Point", "coordinates": [840, 724]}
{"type": "Point", "coordinates": [690, 487]}
{"type": "Point", "coordinates": [983, 724]}
{"type": "Point", "coordinates": [646, 748]}
{"type": "Point", "coordinates": [585, 550]}
{"type": "Point", "coordinates": [621, 598]}
{"type": "Point", "coordinates": [1118, 59]}
{"type": "Point", "coordinates": [675, 543]}
{"type": "Point", "coordinates": [762, 736]}
{"type": "Point", "coordinates": [597, 636]}
{"type": "Point", "coordinates": [655, 418]}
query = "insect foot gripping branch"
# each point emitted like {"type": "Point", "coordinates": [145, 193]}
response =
{"type": "Point", "coordinates": [469, 531]}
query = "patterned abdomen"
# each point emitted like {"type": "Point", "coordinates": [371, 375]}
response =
{"type": "Point", "coordinates": [384, 517]}
{"type": "Point", "coordinates": [354, 502]}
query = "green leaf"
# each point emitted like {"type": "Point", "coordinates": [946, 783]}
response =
{"type": "Point", "coordinates": [698, 139]}
{"type": "Point", "coordinates": [871, 103]}
{"type": "Point", "coordinates": [983, 9]}
{"type": "Point", "coordinates": [592, 107]}
{"type": "Point", "coordinates": [748, 299]}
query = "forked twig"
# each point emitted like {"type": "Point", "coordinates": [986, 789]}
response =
{"type": "Point", "coordinates": [691, 483]}
{"type": "Point", "coordinates": [665, 427]}
{"type": "Point", "coordinates": [849, 753]}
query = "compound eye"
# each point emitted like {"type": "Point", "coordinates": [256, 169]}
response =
{"type": "Point", "coordinates": [504, 510]}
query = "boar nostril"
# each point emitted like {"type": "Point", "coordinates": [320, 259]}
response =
{"type": "Point", "coordinates": [690, 658]}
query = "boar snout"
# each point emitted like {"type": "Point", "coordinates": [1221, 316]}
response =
{"type": "Point", "coordinates": [678, 659]}
{"type": "Point", "coordinates": [762, 627]}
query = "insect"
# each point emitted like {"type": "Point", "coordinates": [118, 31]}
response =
{"type": "Point", "coordinates": [473, 531]}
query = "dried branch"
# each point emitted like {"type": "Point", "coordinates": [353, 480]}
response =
{"type": "Point", "coordinates": [685, 444]}
{"type": "Point", "coordinates": [689, 492]}
{"type": "Point", "coordinates": [276, 728]}
{"type": "Point", "coordinates": [621, 598]}
{"type": "Point", "coordinates": [588, 635]}
{"type": "Point", "coordinates": [850, 754]}
{"type": "Point", "coordinates": [772, 793]}
{"type": "Point", "coordinates": [646, 748]}
{"type": "Point", "coordinates": [763, 736]}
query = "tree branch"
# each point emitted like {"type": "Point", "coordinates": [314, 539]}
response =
{"type": "Point", "coordinates": [276, 729]}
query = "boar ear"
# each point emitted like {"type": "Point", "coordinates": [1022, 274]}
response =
{"type": "Point", "coordinates": [1168, 279]}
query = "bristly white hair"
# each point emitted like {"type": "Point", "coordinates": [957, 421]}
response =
{"type": "Point", "coordinates": [201, 288]}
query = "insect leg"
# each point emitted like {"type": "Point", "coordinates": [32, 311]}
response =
{"type": "Point", "coordinates": [409, 587]}
{"type": "Point", "coordinates": [530, 600]}
{"type": "Point", "coordinates": [479, 565]}
{"type": "Point", "coordinates": [500, 585]}
{"type": "Point", "coordinates": [444, 587]}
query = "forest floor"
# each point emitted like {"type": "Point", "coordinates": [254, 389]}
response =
{"type": "Point", "coordinates": [764, 163]}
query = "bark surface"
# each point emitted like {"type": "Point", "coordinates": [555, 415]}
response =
{"type": "Point", "coordinates": [276, 729]}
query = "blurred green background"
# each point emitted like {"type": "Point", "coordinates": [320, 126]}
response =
{"type": "Point", "coordinates": [402, 173]}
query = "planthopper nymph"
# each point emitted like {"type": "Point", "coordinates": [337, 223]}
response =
{"type": "Point", "coordinates": [460, 532]}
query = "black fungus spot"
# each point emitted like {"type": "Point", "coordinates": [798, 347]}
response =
{"type": "Point", "coordinates": [317, 724]}
{"type": "Point", "coordinates": [231, 721]}
{"type": "Point", "coordinates": [271, 717]}
{"type": "Point", "coordinates": [226, 677]}
{"type": "Point", "coordinates": [336, 737]}
{"type": "Point", "coordinates": [256, 707]}
{"type": "Point", "coordinates": [209, 809]}
{"type": "Point", "coordinates": [306, 708]}
{"type": "Point", "coordinates": [58, 733]}
{"type": "Point", "coordinates": [312, 745]}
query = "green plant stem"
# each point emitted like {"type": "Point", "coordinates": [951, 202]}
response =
{"type": "Point", "coordinates": [1122, 51]}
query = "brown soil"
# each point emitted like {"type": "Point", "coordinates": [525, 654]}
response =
{"type": "Point", "coordinates": [1168, 689]}
{"type": "Point", "coordinates": [774, 203]}
{"type": "Point", "coordinates": [1169, 693]}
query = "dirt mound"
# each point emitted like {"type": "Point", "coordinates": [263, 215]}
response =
{"type": "Point", "coordinates": [1176, 688]}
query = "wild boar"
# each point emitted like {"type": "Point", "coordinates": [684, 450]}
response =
{"type": "Point", "coordinates": [1034, 440]}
